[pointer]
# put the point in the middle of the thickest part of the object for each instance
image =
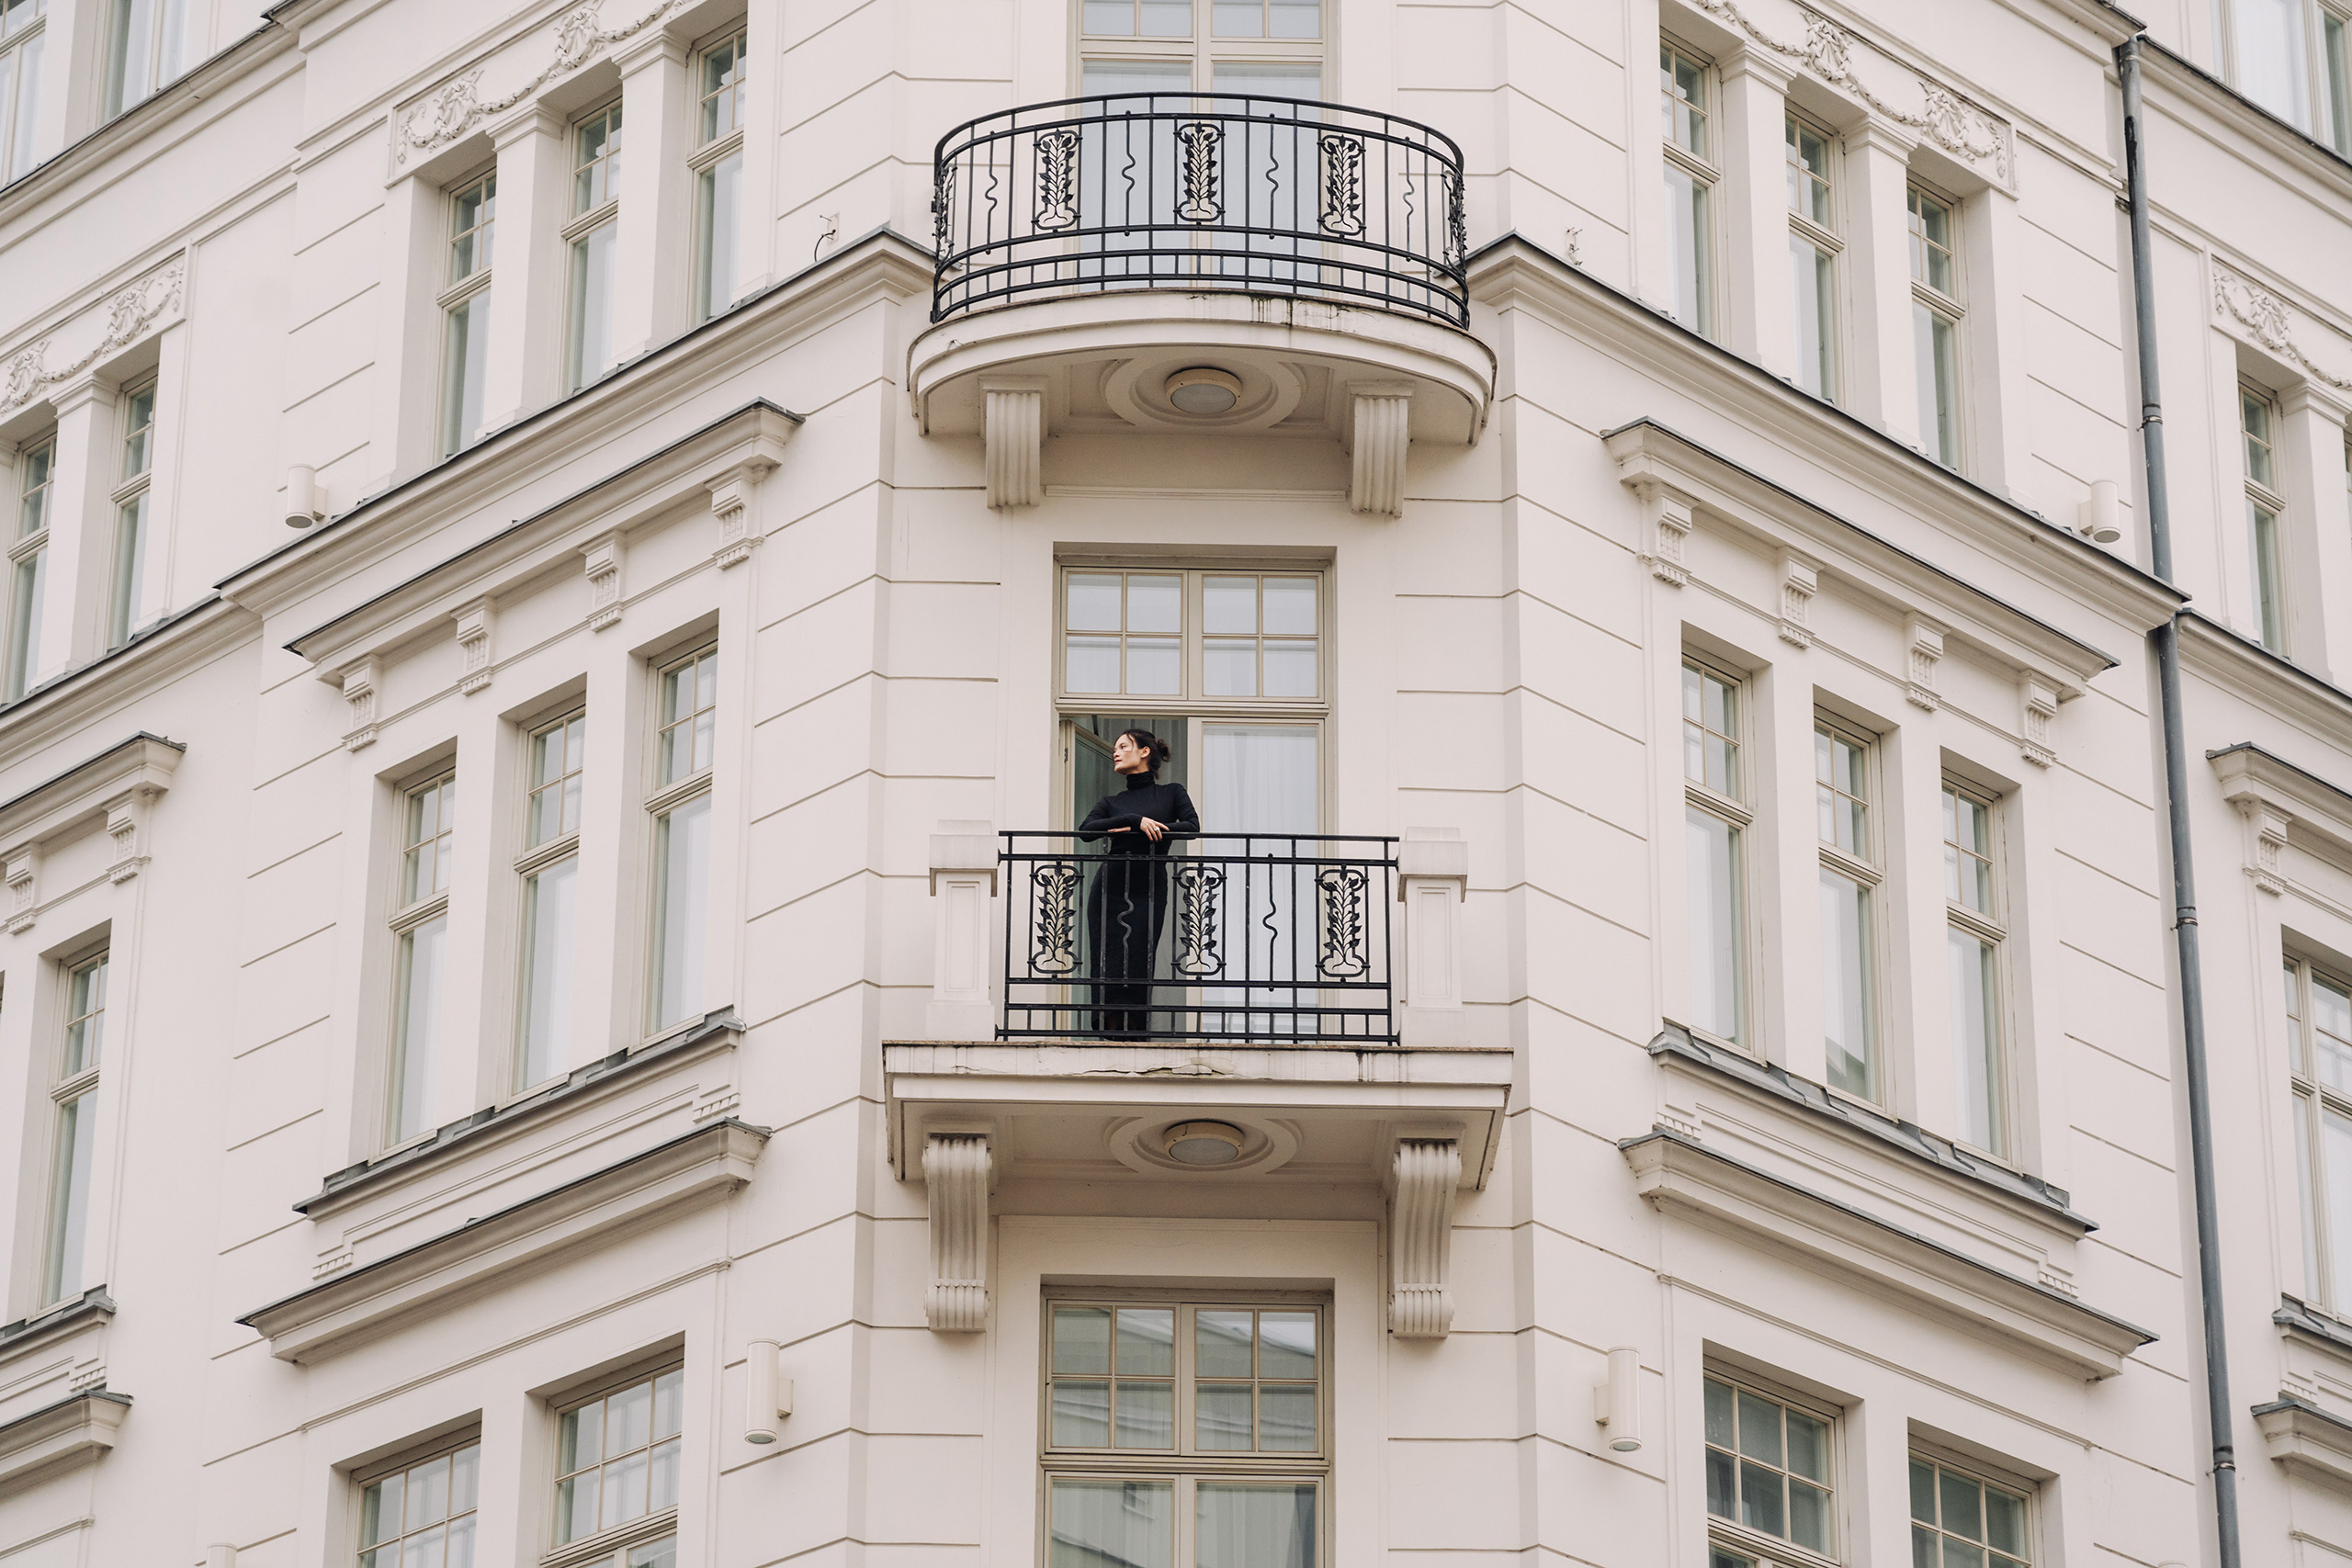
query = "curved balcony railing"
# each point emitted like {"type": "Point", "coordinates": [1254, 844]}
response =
{"type": "Point", "coordinates": [1199, 191]}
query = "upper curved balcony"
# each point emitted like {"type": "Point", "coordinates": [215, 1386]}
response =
{"type": "Point", "coordinates": [1222, 191]}
{"type": "Point", "coordinates": [1096, 255]}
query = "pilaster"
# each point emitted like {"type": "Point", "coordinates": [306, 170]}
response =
{"type": "Point", "coordinates": [963, 883]}
{"type": "Point", "coordinates": [755, 265]}
{"type": "Point", "coordinates": [172, 390]}
{"type": "Point", "coordinates": [1878, 249]}
{"type": "Point", "coordinates": [80, 525]}
{"type": "Point", "coordinates": [650, 265]}
{"type": "Point", "coordinates": [526, 368]}
{"type": "Point", "coordinates": [1433, 882]}
{"type": "Point", "coordinates": [1996, 437]}
{"type": "Point", "coordinates": [2316, 571]}
{"type": "Point", "coordinates": [1755, 292]}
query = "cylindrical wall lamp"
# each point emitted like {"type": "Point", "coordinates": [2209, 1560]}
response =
{"type": "Point", "coordinates": [1617, 1401]}
{"type": "Point", "coordinates": [767, 1397]}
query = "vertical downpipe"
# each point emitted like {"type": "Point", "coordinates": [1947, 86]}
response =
{"type": "Point", "coordinates": [2165, 640]}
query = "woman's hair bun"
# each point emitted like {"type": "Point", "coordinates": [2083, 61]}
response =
{"type": "Point", "coordinates": [1154, 749]}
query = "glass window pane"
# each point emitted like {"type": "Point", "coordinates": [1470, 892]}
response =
{"type": "Point", "coordinates": [1154, 666]}
{"type": "Point", "coordinates": [416, 1027]}
{"type": "Point", "coordinates": [465, 1478]}
{"type": "Point", "coordinates": [1923, 1491]}
{"type": "Point", "coordinates": [2268, 54]}
{"type": "Point", "coordinates": [465, 359]}
{"type": "Point", "coordinates": [1092, 664]}
{"type": "Point", "coordinates": [1167, 19]}
{"type": "Point", "coordinates": [1147, 1414]}
{"type": "Point", "coordinates": [1720, 1485]}
{"type": "Point", "coordinates": [1081, 1339]}
{"type": "Point", "coordinates": [548, 918]}
{"type": "Point", "coordinates": [1155, 604]}
{"type": "Point", "coordinates": [1221, 1416]}
{"type": "Point", "coordinates": [1093, 601]}
{"type": "Point", "coordinates": [681, 910]}
{"type": "Point", "coordinates": [1959, 1555]}
{"type": "Point", "coordinates": [1846, 999]}
{"type": "Point", "coordinates": [623, 1495]}
{"type": "Point", "coordinates": [2335, 1142]}
{"type": "Point", "coordinates": [575, 1505]}
{"type": "Point", "coordinates": [719, 206]}
{"type": "Point", "coordinates": [1221, 1343]}
{"type": "Point", "coordinates": [379, 1510]}
{"type": "Point", "coordinates": [1240, 19]}
{"type": "Point", "coordinates": [1111, 19]}
{"type": "Point", "coordinates": [69, 1197]}
{"type": "Point", "coordinates": [628, 1421]}
{"type": "Point", "coordinates": [1808, 1446]}
{"type": "Point", "coordinates": [1719, 1412]}
{"type": "Point", "coordinates": [1229, 606]}
{"type": "Point", "coordinates": [1229, 667]}
{"type": "Point", "coordinates": [1759, 1428]}
{"type": "Point", "coordinates": [1242, 1525]}
{"type": "Point", "coordinates": [662, 1553]}
{"type": "Point", "coordinates": [1761, 1505]}
{"type": "Point", "coordinates": [1685, 211]}
{"type": "Point", "coordinates": [1711, 853]}
{"type": "Point", "coordinates": [2004, 1521]}
{"type": "Point", "coordinates": [1289, 606]}
{"type": "Point", "coordinates": [1290, 670]}
{"type": "Point", "coordinates": [669, 1403]}
{"type": "Point", "coordinates": [1811, 276]}
{"type": "Point", "coordinates": [1147, 1342]}
{"type": "Point", "coordinates": [1128, 1523]}
{"type": "Point", "coordinates": [1925, 1552]}
{"type": "Point", "coordinates": [1975, 1039]}
{"type": "Point", "coordinates": [1286, 1417]}
{"type": "Point", "coordinates": [428, 1493]}
{"type": "Point", "coordinates": [1286, 1344]}
{"type": "Point", "coordinates": [1962, 1506]}
{"type": "Point", "coordinates": [1809, 1516]}
{"type": "Point", "coordinates": [582, 1441]}
{"type": "Point", "coordinates": [592, 303]}
{"type": "Point", "coordinates": [1293, 18]}
{"type": "Point", "coordinates": [1081, 1414]}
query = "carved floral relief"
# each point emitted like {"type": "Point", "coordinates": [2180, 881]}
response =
{"type": "Point", "coordinates": [455, 108]}
{"type": "Point", "coordinates": [126, 316]}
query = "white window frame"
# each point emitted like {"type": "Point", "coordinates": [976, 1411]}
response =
{"type": "Point", "coordinates": [2324, 72]}
{"type": "Point", "coordinates": [2267, 560]}
{"type": "Point", "coordinates": [703, 168]}
{"type": "Point", "coordinates": [577, 234]}
{"type": "Point", "coordinates": [1859, 865]}
{"type": "Point", "coordinates": [610, 1548]}
{"type": "Point", "coordinates": [662, 801]}
{"type": "Point", "coordinates": [1748, 1545]}
{"type": "Point", "coordinates": [531, 861]}
{"type": "Point", "coordinates": [1991, 926]}
{"type": "Point", "coordinates": [411, 914]}
{"type": "Point", "coordinates": [1201, 51]}
{"type": "Point", "coordinates": [166, 54]}
{"type": "Point", "coordinates": [27, 568]}
{"type": "Point", "coordinates": [459, 291]}
{"type": "Point", "coordinates": [2314, 1099]}
{"type": "Point", "coordinates": [1932, 306]}
{"type": "Point", "coordinates": [1730, 808]}
{"type": "Point", "coordinates": [1186, 1464]}
{"type": "Point", "coordinates": [2024, 1491]}
{"type": "Point", "coordinates": [24, 35]}
{"type": "Point", "coordinates": [1701, 170]}
{"type": "Point", "coordinates": [72, 1084]}
{"type": "Point", "coordinates": [1822, 236]}
{"type": "Point", "coordinates": [134, 521]}
{"type": "Point", "coordinates": [385, 1553]}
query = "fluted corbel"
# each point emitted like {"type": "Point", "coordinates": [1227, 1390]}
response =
{"type": "Point", "coordinates": [1421, 1243]}
{"type": "Point", "coordinates": [955, 1167]}
{"type": "Point", "coordinates": [1015, 439]}
{"type": "Point", "coordinates": [1381, 412]}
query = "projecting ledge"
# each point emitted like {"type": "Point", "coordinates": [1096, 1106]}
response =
{"type": "Point", "coordinates": [652, 1188]}
{"type": "Point", "coordinates": [1681, 1177]}
{"type": "Point", "coordinates": [62, 1437]}
{"type": "Point", "coordinates": [2307, 1441]}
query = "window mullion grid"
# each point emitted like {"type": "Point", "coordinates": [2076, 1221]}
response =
{"type": "Point", "coordinates": [594, 217]}
{"type": "Point", "coordinates": [716, 151]}
{"type": "Point", "coordinates": [539, 857]}
{"type": "Point", "coordinates": [463, 289]}
{"type": "Point", "coordinates": [30, 546]}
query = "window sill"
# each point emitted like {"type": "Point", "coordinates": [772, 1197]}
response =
{"type": "Point", "coordinates": [59, 1351]}
{"type": "Point", "coordinates": [2306, 1441]}
{"type": "Point", "coordinates": [58, 1437]}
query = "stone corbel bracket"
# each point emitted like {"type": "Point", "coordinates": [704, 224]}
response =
{"type": "Point", "coordinates": [734, 499]}
{"type": "Point", "coordinates": [1800, 580]}
{"type": "Point", "coordinates": [1421, 1248]}
{"type": "Point", "coordinates": [2037, 717]}
{"type": "Point", "coordinates": [1923, 649]}
{"type": "Point", "coordinates": [114, 792]}
{"type": "Point", "coordinates": [604, 558]}
{"type": "Point", "coordinates": [1666, 523]}
{"type": "Point", "coordinates": [2274, 798]}
{"type": "Point", "coordinates": [127, 826]}
{"type": "Point", "coordinates": [1381, 427]}
{"type": "Point", "coordinates": [1014, 434]}
{"type": "Point", "coordinates": [476, 623]}
{"type": "Point", "coordinates": [959, 1168]}
{"type": "Point", "coordinates": [361, 681]}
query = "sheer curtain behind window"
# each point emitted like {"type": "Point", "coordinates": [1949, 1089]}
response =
{"type": "Point", "coordinates": [1262, 778]}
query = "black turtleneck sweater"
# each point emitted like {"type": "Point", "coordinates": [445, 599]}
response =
{"type": "Point", "coordinates": [1166, 804]}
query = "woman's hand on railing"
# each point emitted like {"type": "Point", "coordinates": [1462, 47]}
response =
{"type": "Point", "coordinates": [1151, 830]}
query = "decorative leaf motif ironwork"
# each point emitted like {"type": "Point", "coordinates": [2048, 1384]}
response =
{"type": "Point", "coordinates": [1200, 891]}
{"type": "Point", "coordinates": [1343, 952]}
{"type": "Point", "coordinates": [1202, 198]}
{"type": "Point", "coordinates": [943, 203]}
{"type": "Point", "coordinates": [1056, 180]}
{"type": "Point", "coordinates": [1054, 907]}
{"type": "Point", "coordinates": [1457, 235]}
{"type": "Point", "coordinates": [1341, 185]}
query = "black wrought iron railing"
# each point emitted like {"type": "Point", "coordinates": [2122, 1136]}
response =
{"type": "Point", "coordinates": [1256, 938]}
{"type": "Point", "coordinates": [1199, 191]}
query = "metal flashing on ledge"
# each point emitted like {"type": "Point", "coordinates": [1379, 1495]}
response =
{"type": "Point", "coordinates": [1903, 1137]}
{"type": "Point", "coordinates": [91, 1303]}
{"type": "Point", "coordinates": [2305, 1440]}
{"type": "Point", "coordinates": [1680, 1175]}
{"type": "Point", "coordinates": [352, 1179]}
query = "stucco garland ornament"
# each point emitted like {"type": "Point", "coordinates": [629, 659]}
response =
{"type": "Point", "coordinates": [1944, 118]}
{"type": "Point", "coordinates": [130, 311]}
{"type": "Point", "coordinates": [2265, 315]}
{"type": "Point", "coordinates": [455, 107]}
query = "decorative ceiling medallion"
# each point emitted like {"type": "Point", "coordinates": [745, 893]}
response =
{"type": "Point", "coordinates": [1141, 1143]}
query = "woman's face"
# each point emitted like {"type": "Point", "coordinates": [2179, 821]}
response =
{"type": "Point", "coordinates": [1129, 758]}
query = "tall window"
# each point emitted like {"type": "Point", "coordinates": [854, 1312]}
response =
{"type": "Point", "coordinates": [1768, 1480]}
{"type": "Point", "coordinates": [2289, 56]}
{"type": "Point", "coordinates": [1935, 319]}
{"type": "Point", "coordinates": [1959, 1518]}
{"type": "Point", "coordinates": [130, 511]}
{"type": "Point", "coordinates": [1273, 48]}
{"type": "Point", "coordinates": [143, 51]}
{"type": "Point", "coordinates": [27, 562]}
{"type": "Point", "coordinates": [718, 167]}
{"type": "Point", "coordinates": [20, 46]}
{"type": "Point", "coordinates": [595, 235]}
{"type": "Point", "coordinates": [1714, 822]}
{"type": "Point", "coordinates": [2319, 1016]}
{"type": "Point", "coordinates": [2258, 426]}
{"type": "Point", "coordinates": [1813, 258]}
{"type": "Point", "coordinates": [73, 1088]}
{"type": "Point", "coordinates": [617, 1474]}
{"type": "Point", "coordinates": [688, 719]}
{"type": "Point", "coordinates": [1842, 773]}
{"type": "Point", "coordinates": [1186, 1432]}
{"type": "Point", "coordinates": [465, 308]}
{"type": "Point", "coordinates": [549, 868]}
{"type": "Point", "coordinates": [420, 1514]}
{"type": "Point", "coordinates": [1973, 943]}
{"type": "Point", "coordinates": [1690, 177]}
{"type": "Point", "coordinates": [421, 931]}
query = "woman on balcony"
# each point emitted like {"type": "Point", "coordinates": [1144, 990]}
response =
{"type": "Point", "coordinates": [1130, 899]}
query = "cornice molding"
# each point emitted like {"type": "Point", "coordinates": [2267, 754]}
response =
{"type": "Point", "coordinates": [22, 1341]}
{"type": "Point", "coordinates": [2299, 152]}
{"type": "Point", "coordinates": [2275, 796]}
{"type": "Point", "coordinates": [1827, 50]}
{"type": "Point", "coordinates": [1513, 271]}
{"type": "Point", "coordinates": [657, 1186]}
{"type": "Point", "coordinates": [2306, 1441]}
{"type": "Point", "coordinates": [72, 1433]}
{"type": "Point", "coordinates": [115, 788]}
{"type": "Point", "coordinates": [1677, 478]}
{"type": "Point", "coordinates": [1681, 1177]}
{"type": "Point", "coordinates": [2254, 673]}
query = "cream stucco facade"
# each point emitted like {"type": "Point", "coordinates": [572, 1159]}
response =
{"type": "Point", "coordinates": [557, 987]}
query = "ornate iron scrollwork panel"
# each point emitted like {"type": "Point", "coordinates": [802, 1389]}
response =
{"type": "Point", "coordinates": [1343, 949]}
{"type": "Point", "coordinates": [1341, 185]}
{"type": "Point", "coordinates": [1052, 948]}
{"type": "Point", "coordinates": [1200, 891]}
{"type": "Point", "coordinates": [1203, 199]}
{"type": "Point", "coordinates": [1056, 180]}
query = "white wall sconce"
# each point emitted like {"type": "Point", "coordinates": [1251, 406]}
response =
{"type": "Point", "coordinates": [1617, 1399]}
{"type": "Point", "coordinates": [2099, 518]}
{"type": "Point", "coordinates": [303, 507]}
{"type": "Point", "coordinates": [767, 1397]}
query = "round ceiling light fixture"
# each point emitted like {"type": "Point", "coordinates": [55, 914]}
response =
{"type": "Point", "coordinates": [1204, 390]}
{"type": "Point", "coordinates": [1204, 1143]}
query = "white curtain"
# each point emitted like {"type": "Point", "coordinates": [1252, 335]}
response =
{"type": "Point", "coordinates": [1244, 1526]}
{"type": "Point", "coordinates": [1262, 778]}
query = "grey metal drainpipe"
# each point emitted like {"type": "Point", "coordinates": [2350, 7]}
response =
{"type": "Point", "coordinates": [2165, 640]}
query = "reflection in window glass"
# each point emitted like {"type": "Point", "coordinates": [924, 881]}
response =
{"type": "Point", "coordinates": [616, 1456]}
{"type": "Point", "coordinates": [421, 1516]}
